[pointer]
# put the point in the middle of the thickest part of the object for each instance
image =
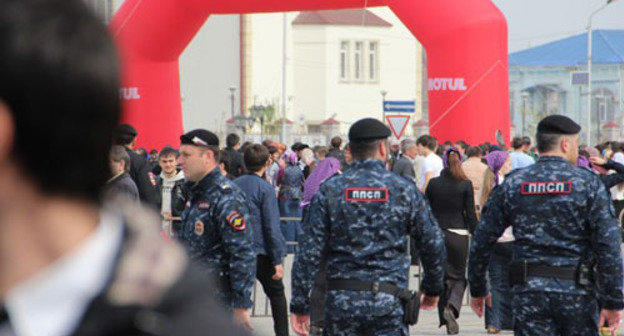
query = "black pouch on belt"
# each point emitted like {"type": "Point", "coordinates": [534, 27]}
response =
{"type": "Point", "coordinates": [411, 306]}
{"type": "Point", "coordinates": [517, 272]}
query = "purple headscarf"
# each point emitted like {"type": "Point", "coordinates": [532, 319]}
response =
{"type": "Point", "coordinates": [290, 157]}
{"type": "Point", "coordinates": [324, 169]}
{"type": "Point", "coordinates": [495, 161]}
{"type": "Point", "coordinates": [583, 162]}
{"type": "Point", "coordinates": [447, 153]}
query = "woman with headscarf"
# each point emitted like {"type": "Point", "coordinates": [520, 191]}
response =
{"type": "Point", "coordinates": [451, 197]}
{"type": "Point", "coordinates": [323, 170]}
{"type": "Point", "coordinates": [289, 196]}
{"type": "Point", "coordinates": [498, 317]}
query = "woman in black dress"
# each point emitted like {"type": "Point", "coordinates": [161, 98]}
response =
{"type": "Point", "coordinates": [452, 201]}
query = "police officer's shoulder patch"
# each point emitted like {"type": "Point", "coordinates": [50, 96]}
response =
{"type": "Point", "coordinates": [366, 194]}
{"type": "Point", "coordinates": [199, 228]}
{"type": "Point", "coordinates": [236, 220]}
{"type": "Point", "coordinates": [226, 188]}
{"type": "Point", "coordinates": [203, 206]}
{"type": "Point", "coordinates": [546, 187]}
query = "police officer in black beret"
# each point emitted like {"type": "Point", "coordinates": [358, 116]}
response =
{"type": "Point", "coordinates": [564, 227]}
{"type": "Point", "coordinates": [362, 218]}
{"type": "Point", "coordinates": [214, 222]}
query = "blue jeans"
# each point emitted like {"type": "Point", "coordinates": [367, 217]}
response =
{"type": "Point", "coordinates": [291, 229]}
{"type": "Point", "coordinates": [500, 315]}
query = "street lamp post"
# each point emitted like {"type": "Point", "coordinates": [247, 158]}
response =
{"type": "Point", "coordinates": [232, 98]}
{"type": "Point", "coordinates": [589, 64]}
{"type": "Point", "coordinates": [524, 96]}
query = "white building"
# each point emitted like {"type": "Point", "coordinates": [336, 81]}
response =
{"type": "Point", "coordinates": [343, 59]}
{"type": "Point", "coordinates": [338, 62]}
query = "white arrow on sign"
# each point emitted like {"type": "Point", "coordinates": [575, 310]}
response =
{"type": "Point", "coordinates": [397, 124]}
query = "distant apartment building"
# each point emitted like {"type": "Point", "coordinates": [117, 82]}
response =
{"type": "Point", "coordinates": [541, 83]}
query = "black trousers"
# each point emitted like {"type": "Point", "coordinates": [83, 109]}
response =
{"type": "Point", "coordinates": [455, 275]}
{"type": "Point", "coordinates": [274, 290]}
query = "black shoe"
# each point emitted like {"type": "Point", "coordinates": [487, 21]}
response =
{"type": "Point", "coordinates": [452, 328]}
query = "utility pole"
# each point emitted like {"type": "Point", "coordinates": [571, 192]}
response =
{"type": "Point", "coordinates": [285, 26]}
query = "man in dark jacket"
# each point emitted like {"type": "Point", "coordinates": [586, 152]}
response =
{"type": "Point", "coordinates": [269, 242]}
{"type": "Point", "coordinates": [236, 167]}
{"type": "Point", "coordinates": [335, 150]}
{"type": "Point", "coordinates": [120, 185]}
{"type": "Point", "coordinates": [74, 266]}
{"type": "Point", "coordinates": [125, 135]}
{"type": "Point", "coordinates": [404, 166]}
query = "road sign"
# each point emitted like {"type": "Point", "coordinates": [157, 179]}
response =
{"type": "Point", "coordinates": [397, 124]}
{"type": "Point", "coordinates": [579, 77]}
{"type": "Point", "coordinates": [407, 106]}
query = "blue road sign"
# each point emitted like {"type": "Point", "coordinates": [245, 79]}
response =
{"type": "Point", "coordinates": [407, 106]}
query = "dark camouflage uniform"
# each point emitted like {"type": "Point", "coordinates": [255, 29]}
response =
{"type": "Point", "coordinates": [366, 239]}
{"type": "Point", "coordinates": [554, 225]}
{"type": "Point", "coordinates": [215, 234]}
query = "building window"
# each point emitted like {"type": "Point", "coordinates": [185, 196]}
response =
{"type": "Point", "coordinates": [357, 61]}
{"type": "Point", "coordinates": [373, 64]}
{"type": "Point", "coordinates": [344, 60]}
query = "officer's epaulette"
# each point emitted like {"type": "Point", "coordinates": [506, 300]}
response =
{"type": "Point", "coordinates": [226, 187]}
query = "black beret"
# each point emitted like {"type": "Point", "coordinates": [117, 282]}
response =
{"type": "Point", "coordinates": [368, 129]}
{"type": "Point", "coordinates": [125, 129]}
{"type": "Point", "coordinates": [200, 137]}
{"type": "Point", "coordinates": [558, 124]}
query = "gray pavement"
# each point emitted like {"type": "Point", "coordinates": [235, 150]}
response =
{"type": "Point", "coordinates": [469, 325]}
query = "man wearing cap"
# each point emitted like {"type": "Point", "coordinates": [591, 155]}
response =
{"type": "Point", "coordinates": [362, 219]}
{"type": "Point", "coordinates": [564, 227]}
{"type": "Point", "coordinates": [125, 135]}
{"type": "Point", "coordinates": [214, 226]}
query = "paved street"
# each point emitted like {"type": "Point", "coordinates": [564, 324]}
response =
{"type": "Point", "coordinates": [469, 325]}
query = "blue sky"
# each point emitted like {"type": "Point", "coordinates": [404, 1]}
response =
{"type": "Point", "coordinates": [534, 22]}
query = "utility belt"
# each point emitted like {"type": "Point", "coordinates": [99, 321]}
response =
{"type": "Point", "coordinates": [409, 299]}
{"type": "Point", "coordinates": [520, 270]}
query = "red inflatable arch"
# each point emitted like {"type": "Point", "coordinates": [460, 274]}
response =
{"type": "Point", "coordinates": [465, 41]}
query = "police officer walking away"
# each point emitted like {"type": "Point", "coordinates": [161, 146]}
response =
{"type": "Point", "coordinates": [362, 219]}
{"type": "Point", "coordinates": [564, 227]}
{"type": "Point", "coordinates": [214, 223]}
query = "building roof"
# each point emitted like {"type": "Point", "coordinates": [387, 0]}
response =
{"type": "Point", "coordinates": [279, 121]}
{"type": "Point", "coordinates": [330, 121]}
{"type": "Point", "coordinates": [341, 17]}
{"type": "Point", "coordinates": [607, 47]}
{"type": "Point", "coordinates": [611, 124]}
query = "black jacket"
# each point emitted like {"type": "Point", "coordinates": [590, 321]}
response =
{"type": "Point", "coordinates": [237, 167]}
{"type": "Point", "coordinates": [452, 202]}
{"type": "Point", "coordinates": [168, 297]}
{"type": "Point", "coordinates": [180, 194]}
{"type": "Point", "coordinates": [143, 178]}
{"type": "Point", "coordinates": [613, 179]}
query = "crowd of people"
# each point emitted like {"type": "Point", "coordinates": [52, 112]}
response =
{"type": "Point", "coordinates": [82, 253]}
{"type": "Point", "coordinates": [280, 181]}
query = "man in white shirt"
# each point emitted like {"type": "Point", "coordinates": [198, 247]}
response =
{"type": "Point", "coordinates": [432, 165]}
{"type": "Point", "coordinates": [69, 265]}
{"type": "Point", "coordinates": [519, 158]}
